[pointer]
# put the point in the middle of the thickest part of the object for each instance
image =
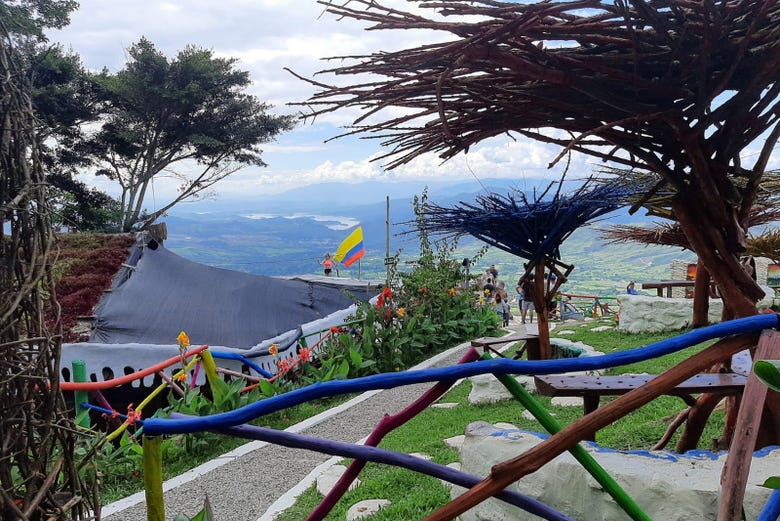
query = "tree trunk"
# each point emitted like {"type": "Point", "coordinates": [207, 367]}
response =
{"type": "Point", "coordinates": [542, 319]}
{"type": "Point", "coordinates": [697, 419]}
{"type": "Point", "coordinates": [738, 290]}
{"type": "Point", "coordinates": [717, 250]}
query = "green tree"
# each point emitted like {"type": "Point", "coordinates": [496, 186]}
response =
{"type": "Point", "coordinates": [63, 97]}
{"type": "Point", "coordinates": [28, 18]}
{"type": "Point", "coordinates": [188, 117]}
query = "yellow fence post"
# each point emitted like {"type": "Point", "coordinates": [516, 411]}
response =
{"type": "Point", "coordinates": [153, 484]}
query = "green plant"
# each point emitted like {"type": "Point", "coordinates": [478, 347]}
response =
{"type": "Point", "coordinates": [204, 515]}
{"type": "Point", "coordinates": [768, 371]}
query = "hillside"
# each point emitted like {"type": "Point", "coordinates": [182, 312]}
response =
{"type": "Point", "coordinates": [287, 234]}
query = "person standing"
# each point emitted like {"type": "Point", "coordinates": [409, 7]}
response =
{"type": "Point", "coordinates": [501, 308]}
{"type": "Point", "coordinates": [327, 263]}
{"type": "Point", "coordinates": [526, 285]}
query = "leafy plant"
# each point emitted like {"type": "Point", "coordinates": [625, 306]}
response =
{"type": "Point", "coordinates": [768, 371]}
{"type": "Point", "coordinates": [204, 515]}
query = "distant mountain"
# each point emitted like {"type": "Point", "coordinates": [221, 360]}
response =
{"type": "Point", "coordinates": [286, 234]}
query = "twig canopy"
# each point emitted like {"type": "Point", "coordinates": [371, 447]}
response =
{"type": "Point", "coordinates": [532, 228]}
{"type": "Point", "coordinates": [766, 244]}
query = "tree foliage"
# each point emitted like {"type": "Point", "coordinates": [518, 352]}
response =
{"type": "Point", "coordinates": [188, 117]}
{"type": "Point", "coordinates": [29, 18]}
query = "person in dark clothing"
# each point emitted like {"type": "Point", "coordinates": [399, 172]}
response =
{"type": "Point", "coordinates": [526, 285]}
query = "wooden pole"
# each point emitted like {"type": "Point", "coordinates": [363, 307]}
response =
{"type": "Point", "coordinates": [503, 474]}
{"type": "Point", "coordinates": [153, 483]}
{"type": "Point", "coordinates": [701, 295]}
{"type": "Point", "coordinates": [735, 472]}
{"type": "Point", "coordinates": [540, 302]}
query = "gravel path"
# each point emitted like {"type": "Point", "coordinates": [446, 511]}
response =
{"type": "Point", "coordinates": [244, 485]}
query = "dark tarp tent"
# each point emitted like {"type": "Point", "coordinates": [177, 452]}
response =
{"type": "Point", "coordinates": [158, 294]}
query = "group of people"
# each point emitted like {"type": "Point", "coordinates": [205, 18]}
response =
{"type": "Point", "coordinates": [496, 290]}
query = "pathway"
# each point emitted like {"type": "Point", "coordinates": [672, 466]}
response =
{"type": "Point", "coordinates": [259, 479]}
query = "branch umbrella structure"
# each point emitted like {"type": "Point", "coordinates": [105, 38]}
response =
{"type": "Point", "coordinates": [533, 228]}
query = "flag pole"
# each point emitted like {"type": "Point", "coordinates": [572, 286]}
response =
{"type": "Point", "coordinates": [387, 239]}
{"type": "Point", "coordinates": [358, 269]}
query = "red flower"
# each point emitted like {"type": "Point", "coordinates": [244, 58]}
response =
{"type": "Point", "coordinates": [424, 291]}
{"type": "Point", "coordinates": [380, 300]}
{"type": "Point", "coordinates": [283, 365]}
{"type": "Point", "coordinates": [387, 293]}
{"type": "Point", "coordinates": [304, 354]}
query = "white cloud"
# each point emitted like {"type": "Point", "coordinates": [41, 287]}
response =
{"type": "Point", "coordinates": [266, 36]}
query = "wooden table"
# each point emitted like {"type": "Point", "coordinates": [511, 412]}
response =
{"type": "Point", "coordinates": [591, 388]}
{"type": "Point", "coordinates": [531, 344]}
{"type": "Point", "coordinates": [661, 285]}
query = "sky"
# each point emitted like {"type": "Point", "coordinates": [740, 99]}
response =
{"type": "Point", "coordinates": [266, 36]}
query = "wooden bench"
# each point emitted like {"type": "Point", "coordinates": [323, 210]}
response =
{"type": "Point", "coordinates": [665, 286]}
{"type": "Point", "coordinates": [489, 344]}
{"type": "Point", "coordinates": [592, 388]}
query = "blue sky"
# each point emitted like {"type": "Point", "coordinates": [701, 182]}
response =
{"type": "Point", "coordinates": [266, 36]}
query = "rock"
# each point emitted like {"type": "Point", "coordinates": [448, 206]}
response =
{"type": "Point", "coordinates": [567, 401]}
{"type": "Point", "coordinates": [486, 388]}
{"type": "Point", "coordinates": [666, 485]}
{"type": "Point", "coordinates": [456, 441]}
{"type": "Point", "coordinates": [426, 457]}
{"type": "Point", "coordinates": [444, 405]}
{"type": "Point", "coordinates": [366, 508]}
{"type": "Point", "coordinates": [328, 479]}
{"type": "Point", "coordinates": [602, 328]}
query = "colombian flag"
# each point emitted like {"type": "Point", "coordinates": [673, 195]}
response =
{"type": "Point", "coordinates": [351, 249]}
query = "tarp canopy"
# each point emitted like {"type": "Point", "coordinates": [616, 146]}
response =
{"type": "Point", "coordinates": [161, 294]}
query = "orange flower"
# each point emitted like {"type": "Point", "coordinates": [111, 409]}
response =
{"type": "Point", "coordinates": [184, 340]}
{"type": "Point", "coordinates": [401, 312]}
{"type": "Point", "coordinates": [334, 329]}
{"type": "Point", "coordinates": [273, 350]}
{"type": "Point", "coordinates": [181, 377]}
{"type": "Point", "coordinates": [452, 292]}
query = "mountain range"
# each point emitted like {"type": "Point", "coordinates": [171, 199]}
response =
{"type": "Point", "coordinates": [285, 234]}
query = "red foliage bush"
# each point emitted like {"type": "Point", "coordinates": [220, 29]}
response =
{"type": "Point", "coordinates": [86, 266]}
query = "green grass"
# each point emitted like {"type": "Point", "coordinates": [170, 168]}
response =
{"type": "Point", "coordinates": [413, 496]}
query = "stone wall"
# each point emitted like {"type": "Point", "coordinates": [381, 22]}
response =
{"type": "Point", "coordinates": [666, 486]}
{"type": "Point", "coordinates": [643, 314]}
{"type": "Point", "coordinates": [679, 270]}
